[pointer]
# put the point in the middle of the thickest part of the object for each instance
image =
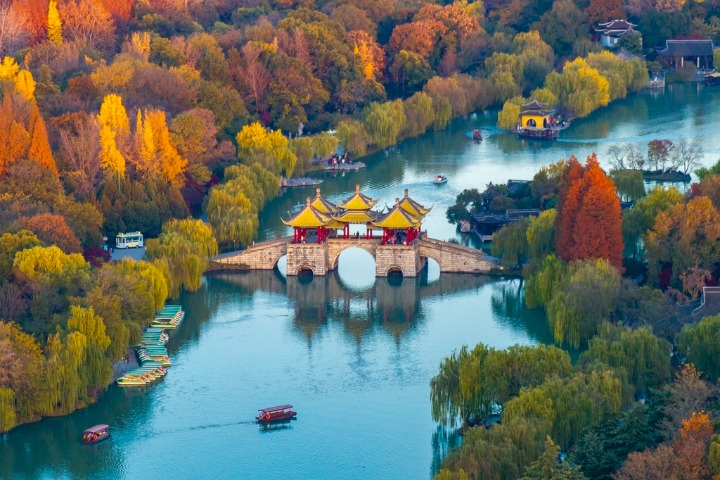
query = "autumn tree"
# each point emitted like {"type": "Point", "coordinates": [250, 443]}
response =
{"type": "Point", "coordinates": [53, 229]}
{"type": "Point", "coordinates": [95, 369]}
{"type": "Point", "coordinates": [268, 148]}
{"type": "Point", "coordinates": [89, 22]}
{"type": "Point", "coordinates": [684, 236]}
{"type": "Point", "coordinates": [659, 153]}
{"type": "Point", "coordinates": [39, 147]}
{"type": "Point", "coordinates": [639, 219]}
{"type": "Point", "coordinates": [157, 156]}
{"type": "Point", "coordinates": [54, 24]}
{"type": "Point", "coordinates": [79, 153]}
{"type": "Point", "coordinates": [252, 75]}
{"type": "Point", "coordinates": [114, 130]}
{"type": "Point", "coordinates": [601, 11]}
{"type": "Point", "coordinates": [580, 87]}
{"type": "Point", "coordinates": [353, 136]}
{"type": "Point", "coordinates": [21, 376]}
{"type": "Point", "coordinates": [14, 28]}
{"type": "Point", "coordinates": [10, 244]}
{"type": "Point", "coordinates": [589, 219]}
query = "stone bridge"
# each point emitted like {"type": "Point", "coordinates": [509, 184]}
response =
{"type": "Point", "coordinates": [319, 259]}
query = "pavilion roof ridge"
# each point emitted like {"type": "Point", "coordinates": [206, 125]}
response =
{"type": "Point", "coordinates": [358, 201]}
{"type": "Point", "coordinates": [308, 217]}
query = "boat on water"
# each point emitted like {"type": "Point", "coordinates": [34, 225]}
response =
{"type": "Point", "coordinates": [477, 135]}
{"type": "Point", "coordinates": [275, 414]}
{"type": "Point", "coordinates": [96, 434]}
{"type": "Point", "coordinates": [440, 179]}
{"type": "Point", "coordinates": [712, 79]}
{"type": "Point", "coordinates": [538, 123]}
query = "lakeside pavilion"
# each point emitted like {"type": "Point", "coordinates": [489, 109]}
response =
{"type": "Point", "coordinates": [322, 217]}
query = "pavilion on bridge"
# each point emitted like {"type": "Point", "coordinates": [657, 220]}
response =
{"type": "Point", "coordinates": [322, 217]}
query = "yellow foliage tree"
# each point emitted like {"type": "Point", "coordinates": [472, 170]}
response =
{"type": "Point", "coordinates": [54, 26]}
{"type": "Point", "coordinates": [157, 156]}
{"type": "Point", "coordinates": [8, 68]}
{"type": "Point", "coordinates": [112, 160]}
{"type": "Point", "coordinates": [113, 114]}
{"type": "Point", "coordinates": [25, 84]}
{"type": "Point", "coordinates": [39, 263]}
{"type": "Point", "coordinates": [269, 148]}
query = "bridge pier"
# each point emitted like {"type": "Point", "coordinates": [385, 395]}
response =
{"type": "Point", "coordinates": [307, 256]}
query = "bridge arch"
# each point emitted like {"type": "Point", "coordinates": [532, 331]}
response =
{"type": "Point", "coordinates": [394, 270]}
{"type": "Point", "coordinates": [336, 247]}
{"type": "Point", "coordinates": [356, 269]}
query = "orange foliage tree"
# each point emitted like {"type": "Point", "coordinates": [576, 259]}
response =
{"type": "Point", "coordinates": [53, 230]}
{"type": "Point", "coordinates": [604, 11]}
{"type": "Point", "coordinates": [589, 219]}
{"type": "Point", "coordinates": [418, 37]}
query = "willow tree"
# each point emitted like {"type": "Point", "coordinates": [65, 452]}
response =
{"type": "Point", "coordinates": [384, 122]}
{"type": "Point", "coordinates": [95, 369]}
{"type": "Point", "coordinates": [639, 358]}
{"type": "Point", "coordinates": [353, 136]}
{"type": "Point", "coordinates": [183, 250]}
{"type": "Point", "coordinates": [471, 384]}
{"type": "Point", "coordinates": [699, 343]}
{"type": "Point", "coordinates": [569, 404]}
{"type": "Point", "coordinates": [510, 242]}
{"type": "Point", "coordinates": [587, 297]}
{"type": "Point", "coordinates": [267, 147]}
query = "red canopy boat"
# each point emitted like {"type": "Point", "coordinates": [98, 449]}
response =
{"type": "Point", "coordinates": [274, 414]}
{"type": "Point", "coordinates": [96, 433]}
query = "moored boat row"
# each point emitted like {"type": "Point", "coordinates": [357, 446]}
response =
{"type": "Point", "coordinates": [169, 317]}
{"type": "Point", "coordinates": [151, 353]}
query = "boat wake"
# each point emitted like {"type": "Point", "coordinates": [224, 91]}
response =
{"type": "Point", "coordinates": [202, 427]}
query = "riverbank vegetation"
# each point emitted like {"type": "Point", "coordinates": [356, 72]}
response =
{"type": "Point", "coordinates": [623, 287]}
{"type": "Point", "coordinates": [133, 115]}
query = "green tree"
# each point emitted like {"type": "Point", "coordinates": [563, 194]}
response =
{"type": "Point", "coordinates": [548, 466]}
{"type": "Point", "coordinates": [95, 369]}
{"type": "Point", "coordinates": [699, 344]}
{"type": "Point", "coordinates": [562, 26]}
{"type": "Point", "coordinates": [629, 183]}
{"type": "Point", "coordinates": [496, 453]}
{"type": "Point", "coordinates": [183, 251]}
{"type": "Point", "coordinates": [353, 136]}
{"type": "Point", "coordinates": [511, 242]}
{"type": "Point", "coordinates": [419, 114]}
{"type": "Point", "coordinates": [540, 235]}
{"type": "Point", "coordinates": [638, 357]}
{"type": "Point", "coordinates": [10, 244]}
{"type": "Point", "coordinates": [586, 298]}
{"type": "Point", "coordinates": [568, 404]}
{"type": "Point", "coordinates": [384, 122]}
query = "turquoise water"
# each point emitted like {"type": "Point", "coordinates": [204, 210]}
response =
{"type": "Point", "coordinates": [352, 353]}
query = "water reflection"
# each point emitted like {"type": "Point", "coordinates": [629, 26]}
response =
{"type": "Point", "coordinates": [389, 305]}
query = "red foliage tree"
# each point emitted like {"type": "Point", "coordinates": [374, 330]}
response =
{"type": "Point", "coordinates": [589, 221]}
{"type": "Point", "coordinates": [53, 230]}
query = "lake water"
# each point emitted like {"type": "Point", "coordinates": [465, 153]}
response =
{"type": "Point", "coordinates": [352, 353]}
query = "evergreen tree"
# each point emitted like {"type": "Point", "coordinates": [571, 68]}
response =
{"type": "Point", "coordinates": [550, 467]}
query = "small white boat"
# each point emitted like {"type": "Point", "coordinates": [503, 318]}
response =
{"type": "Point", "coordinates": [440, 179]}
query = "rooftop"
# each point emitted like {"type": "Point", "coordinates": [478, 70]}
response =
{"type": "Point", "coordinates": [682, 48]}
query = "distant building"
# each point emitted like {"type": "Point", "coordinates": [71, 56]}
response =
{"type": "Point", "coordinates": [625, 55]}
{"type": "Point", "coordinates": [698, 52]}
{"type": "Point", "coordinates": [610, 32]}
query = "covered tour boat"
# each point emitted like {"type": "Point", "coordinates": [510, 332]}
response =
{"type": "Point", "coordinates": [276, 414]}
{"type": "Point", "coordinates": [96, 433]}
{"type": "Point", "coordinates": [440, 179]}
{"type": "Point", "coordinates": [477, 135]}
{"type": "Point", "coordinates": [538, 123]}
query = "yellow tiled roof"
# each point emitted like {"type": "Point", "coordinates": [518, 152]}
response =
{"type": "Point", "coordinates": [322, 205]}
{"type": "Point", "coordinates": [355, 216]}
{"type": "Point", "coordinates": [358, 201]}
{"type": "Point", "coordinates": [413, 207]}
{"type": "Point", "coordinates": [397, 219]}
{"type": "Point", "coordinates": [308, 217]}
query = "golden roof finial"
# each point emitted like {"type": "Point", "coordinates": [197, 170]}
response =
{"type": "Point", "coordinates": [307, 201]}
{"type": "Point", "coordinates": [317, 191]}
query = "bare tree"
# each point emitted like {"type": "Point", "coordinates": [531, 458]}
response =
{"type": "Point", "coordinates": [14, 29]}
{"type": "Point", "coordinates": [80, 151]}
{"type": "Point", "coordinates": [617, 153]}
{"type": "Point", "coordinates": [254, 75]}
{"type": "Point", "coordinates": [635, 158]}
{"type": "Point", "coordinates": [686, 155]}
